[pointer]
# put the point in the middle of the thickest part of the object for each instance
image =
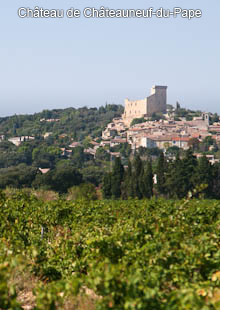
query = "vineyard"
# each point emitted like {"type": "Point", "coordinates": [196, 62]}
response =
{"type": "Point", "coordinates": [109, 254]}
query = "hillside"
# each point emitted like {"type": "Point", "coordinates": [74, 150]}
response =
{"type": "Point", "coordinates": [76, 123]}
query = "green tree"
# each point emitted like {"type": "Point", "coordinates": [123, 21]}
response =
{"type": "Point", "coordinates": [203, 175]}
{"type": "Point", "coordinates": [85, 191]}
{"type": "Point", "coordinates": [106, 186]}
{"type": "Point", "coordinates": [194, 144]}
{"type": "Point", "coordinates": [116, 178]}
{"type": "Point", "coordinates": [102, 154]}
{"type": "Point", "coordinates": [206, 143]}
{"type": "Point", "coordinates": [78, 156]}
{"type": "Point", "coordinates": [20, 176]}
{"type": "Point", "coordinates": [127, 186]}
{"type": "Point", "coordinates": [137, 176]}
{"type": "Point", "coordinates": [138, 120]}
{"type": "Point", "coordinates": [59, 179]}
{"type": "Point", "coordinates": [215, 193]}
{"type": "Point", "coordinates": [160, 170]}
{"type": "Point", "coordinates": [179, 178]}
{"type": "Point", "coordinates": [148, 181]}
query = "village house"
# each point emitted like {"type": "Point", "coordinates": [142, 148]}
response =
{"type": "Point", "coordinates": [95, 144]}
{"type": "Point", "coordinates": [90, 151]}
{"type": "Point", "coordinates": [210, 157]}
{"type": "Point", "coordinates": [75, 144]}
{"type": "Point", "coordinates": [19, 139]}
{"type": "Point", "coordinates": [105, 143]}
{"type": "Point", "coordinates": [49, 120]}
{"type": "Point", "coordinates": [65, 152]}
{"type": "Point", "coordinates": [110, 131]}
{"type": "Point", "coordinates": [47, 134]}
{"type": "Point", "coordinates": [180, 142]}
{"type": "Point", "coordinates": [44, 171]}
{"type": "Point", "coordinates": [117, 141]}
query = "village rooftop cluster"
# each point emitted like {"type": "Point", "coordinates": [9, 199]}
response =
{"type": "Point", "coordinates": [164, 133]}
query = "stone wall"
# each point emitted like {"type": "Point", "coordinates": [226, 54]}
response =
{"type": "Point", "coordinates": [135, 109]}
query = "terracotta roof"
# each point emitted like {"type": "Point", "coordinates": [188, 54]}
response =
{"type": "Point", "coordinates": [74, 144]}
{"type": "Point", "coordinates": [161, 138]}
{"type": "Point", "coordinates": [180, 139]}
{"type": "Point", "coordinates": [118, 140]}
{"type": "Point", "coordinates": [44, 170]}
{"type": "Point", "coordinates": [94, 143]}
{"type": "Point", "coordinates": [135, 129]}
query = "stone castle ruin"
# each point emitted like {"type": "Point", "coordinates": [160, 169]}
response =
{"type": "Point", "coordinates": [155, 103]}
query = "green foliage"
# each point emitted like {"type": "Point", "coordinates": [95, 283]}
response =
{"type": "Point", "coordinates": [92, 174]}
{"type": "Point", "coordinates": [7, 293]}
{"type": "Point", "coordinates": [135, 254]}
{"type": "Point", "coordinates": [138, 121]}
{"type": "Point", "coordinates": [157, 117]}
{"type": "Point", "coordinates": [102, 154]}
{"type": "Point", "coordinates": [59, 179]}
{"type": "Point", "coordinates": [179, 178]}
{"type": "Point", "coordinates": [160, 170]}
{"type": "Point", "coordinates": [85, 191]}
{"type": "Point", "coordinates": [214, 118]}
{"type": "Point", "coordinates": [181, 175]}
{"type": "Point", "coordinates": [80, 122]}
{"type": "Point", "coordinates": [17, 177]}
{"type": "Point", "coordinates": [106, 186]}
{"type": "Point", "coordinates": [116, 178]}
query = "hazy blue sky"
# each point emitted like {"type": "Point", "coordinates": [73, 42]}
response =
{"type": "Point", "coordinates": [57, 63]}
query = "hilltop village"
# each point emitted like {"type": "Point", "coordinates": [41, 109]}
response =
{"type": "Point", "coordinates": [148, 123]}
{"type": "Point", "coordinates": [62, 148]}
{"type": "Point", "coordinates": [169, 131]}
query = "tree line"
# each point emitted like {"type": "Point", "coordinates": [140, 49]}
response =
{"type": "Point", "coordinates": [173, 178]}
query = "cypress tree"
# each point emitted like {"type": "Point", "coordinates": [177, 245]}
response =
{"type": "Point", "coordinates": [137, 176]}
{"type": "Point", "coordinates": [116, 178]}
{"type": "Point", "coordinates": [189, 164]}
{"type": "Point", "coordinates": [203, 175]}
{"type": "Point", "coordinates": [148, 181]}
{"type": "Point", "coordinates": [160, 172]}
{"type": "Point", "coordinates": [175, 179]}
{"type": "Point", "coordinates": [127, 187]}
{"type": "Point", "coordinates": [137, 165]}
{"type": "Point", "coordinates": [215, 193]}
{"type": "Point", "coordinates": [106, 186]}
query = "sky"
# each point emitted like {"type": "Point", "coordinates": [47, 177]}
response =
{"type": "Point", "coordinates": [59, 63]}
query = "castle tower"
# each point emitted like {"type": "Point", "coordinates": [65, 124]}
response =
{"type": "Point", "coordinates": [157, 100]}
{"type": "Point", "coordinates": [206, 118]}
{"type": "Point", "coordinates": [155, 103]}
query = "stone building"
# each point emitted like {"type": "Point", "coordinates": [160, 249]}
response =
{"type": "Point", "coordinates": [155, 103]}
